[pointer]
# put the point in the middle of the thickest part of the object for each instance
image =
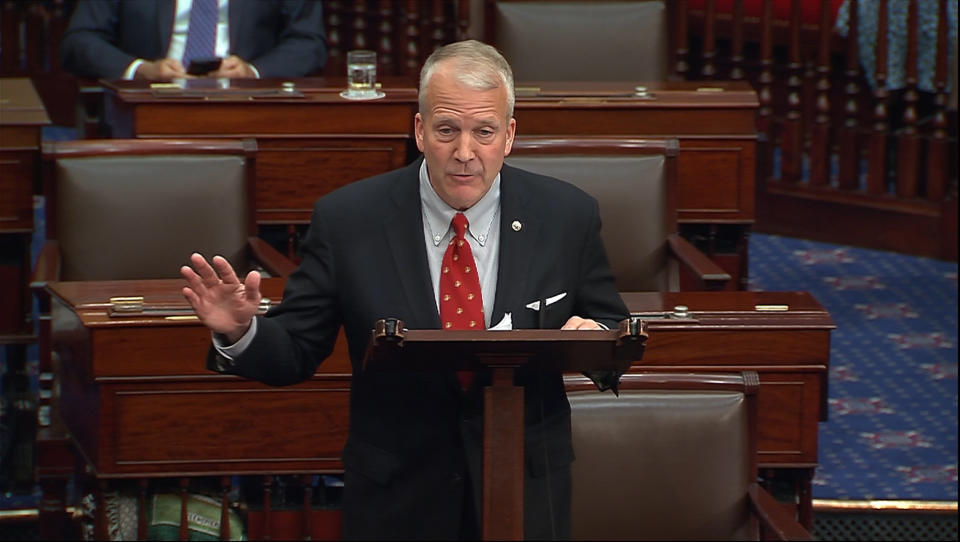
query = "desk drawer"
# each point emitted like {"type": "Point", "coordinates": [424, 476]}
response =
{"type": "Point", "coordinates": [227, 426]}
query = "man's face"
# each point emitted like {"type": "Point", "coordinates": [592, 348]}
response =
{"type": "Point", "coordinates": [464, 135]}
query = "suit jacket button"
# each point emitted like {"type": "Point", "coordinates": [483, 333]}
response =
{"type": "Point", "coordinates": [456, 479]}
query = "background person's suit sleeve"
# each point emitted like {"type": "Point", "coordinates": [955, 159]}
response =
{"type": "Point", "coordinates": [92, 45]}
{"type": "Point", "coordinates": [281, 38]}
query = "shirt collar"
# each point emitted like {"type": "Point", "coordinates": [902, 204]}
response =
{"type": "Point", "coordinates": [437, 214]}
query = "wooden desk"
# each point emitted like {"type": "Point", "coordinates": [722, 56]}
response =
{"type": "Point", "coordinates": [312, 141]}
{"type": "Point", "coordinates": [784, 336]}
{"type": "Point", "coordinates": [137, 399]}
{"type": "Point", "coordinates": [138, 402]}
{"type": "Point", "coordinates": [22, 118]}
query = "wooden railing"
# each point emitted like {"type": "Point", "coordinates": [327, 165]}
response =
{"type": "Point", "coordinates": [403, 32]}
{"type": "Point", "coordinates": [841, 160]}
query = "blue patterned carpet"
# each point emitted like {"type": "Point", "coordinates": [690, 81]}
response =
{"type": "Point", "coordinates": [892, 425]}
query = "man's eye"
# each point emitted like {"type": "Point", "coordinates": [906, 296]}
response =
{"type": "Point", "coordinates": [485, 132]}
{"type": "Point", "coordinates": [445, 131]}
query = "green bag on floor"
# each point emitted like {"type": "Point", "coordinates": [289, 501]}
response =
{"type": "Point", "coordinates": [203, 518]}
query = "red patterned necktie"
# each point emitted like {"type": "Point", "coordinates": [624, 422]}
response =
{"type": "Point", "coordinates": [461, 302]}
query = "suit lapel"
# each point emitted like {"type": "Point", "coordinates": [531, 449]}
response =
{"type": "Point", "coordinates": [165, 16]}
{"type": "Point", "coordinates": [403, 230]}
{"type": "Point", "coordinates": [235, 18]}
{"type": "Point", "coordinates": [519, 228]}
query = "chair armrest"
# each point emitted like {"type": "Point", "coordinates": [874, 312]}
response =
{"type": "Point", "coordinates": [47, 268]}
{"type": "Point", "coordinates": [775, 522]}
{"type": "Point", "coordinates": [710, 275]}
{"type": "Point", "coordinates": [270, 258]}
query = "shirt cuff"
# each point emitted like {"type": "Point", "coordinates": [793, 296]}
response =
{"type": "Point", "coordinates": [232, 351]}
{"type": "Point", "coordinates": [132, 69]}
{"type": "Point", "coordinates": [256, 72]}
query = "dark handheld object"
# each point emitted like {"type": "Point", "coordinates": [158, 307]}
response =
{"type": "Point", "coordinates": [203, 66]}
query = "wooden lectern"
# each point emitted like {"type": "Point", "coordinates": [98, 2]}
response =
{"type": "Point", "coordinates": [394, 348]}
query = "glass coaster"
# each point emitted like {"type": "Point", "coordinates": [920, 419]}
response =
{"type": "Point", "coordinates": [374, 96]}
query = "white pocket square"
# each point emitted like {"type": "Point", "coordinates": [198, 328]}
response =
{"type": "Point", "coordinates": [505, 325]}
{"type": "Point", "coordinates": [549, 301]}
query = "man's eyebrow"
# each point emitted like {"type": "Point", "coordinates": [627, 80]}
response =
{"type": "Point", "coordinates": [489, 121]}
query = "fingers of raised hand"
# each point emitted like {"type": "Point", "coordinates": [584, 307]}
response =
{"type": "Point", "coordinates": [251, 286]}
{"type": "Point", "coordinates": [192, 274]}
{"type": "Point", "coordinates": [224, 270]}
{"type": "Point", "coordinates": [202, 274]}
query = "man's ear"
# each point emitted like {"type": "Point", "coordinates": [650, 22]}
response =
{"type": "Point", "coordinates": [418, 128]}
{"type": "Point", "coordinates": [511, 132]}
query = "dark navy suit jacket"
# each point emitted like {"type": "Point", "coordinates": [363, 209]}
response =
{"type": "Point", "coordinates": [281, 38]}
{"type": "Point", "coordinates": [415, 438]}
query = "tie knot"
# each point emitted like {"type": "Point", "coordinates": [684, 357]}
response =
{"type": "Point", "coordinates": [459, 224]}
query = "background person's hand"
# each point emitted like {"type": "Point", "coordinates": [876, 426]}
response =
{"type": "Point", "coordinates": [164, 68]}
{"type": "Point", "coordinates": [234, 67]}
{"type": "Point", "coordinates": [220, 300]}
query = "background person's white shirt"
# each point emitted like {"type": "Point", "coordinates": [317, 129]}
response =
{"type": "Point", "coordinates": [178, 38]}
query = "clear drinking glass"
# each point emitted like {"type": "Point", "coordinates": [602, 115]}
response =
{"type": "Point", "coordinates": [361, 74]}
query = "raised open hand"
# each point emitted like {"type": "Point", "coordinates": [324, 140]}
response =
{"type": "Point", "coordinates": [220, 300]}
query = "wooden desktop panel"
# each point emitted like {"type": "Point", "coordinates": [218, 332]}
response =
{"type": "Point", "coordinates": [319, 166]}
{"type": "Point", "coordinates": [207, 427]}
{"type": "Point", "coordinates": [716, 180]}
{"type": "Point", "coordinates": [17, 171]}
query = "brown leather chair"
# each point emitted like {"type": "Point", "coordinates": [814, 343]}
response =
{"type": "Point", "coordinates": [567, 40]}
{"type": "Point", "coordinates": [137, 208]}
{"type": "Point", "coordinates": [673, 457]}
{"type": "Point", "coordinates": [634, 183]}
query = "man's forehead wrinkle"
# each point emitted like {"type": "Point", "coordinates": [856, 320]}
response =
{"type": "Point", "coordinates": [484, 114]}
{"type": "Point", "coordinates": [443, 117]}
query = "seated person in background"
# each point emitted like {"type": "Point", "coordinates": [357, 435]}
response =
{"type": "Point", "coordinates": [154, 40]}
{"type": "Point", "coordinates": [868, 16]}
{"type": "Point", "coordinates": [401, 244]}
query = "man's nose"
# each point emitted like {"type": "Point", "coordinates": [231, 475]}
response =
{"type": "Point", "coordinates": [463, 151]}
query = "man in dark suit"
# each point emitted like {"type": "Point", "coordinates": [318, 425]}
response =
{"type": "Point", "coordinates": [147, 38]}
{"type": "Point", "coordinates": [378, 248]}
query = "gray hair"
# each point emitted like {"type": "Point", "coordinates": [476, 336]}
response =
{"type": "Point", "coordinates": [478, 66]}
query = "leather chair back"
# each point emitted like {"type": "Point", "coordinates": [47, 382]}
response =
{"type": "Point", "coordinates": [670, 458]}
{"type": "Point", "coordinates": [137, 210]}
{"type": "Point", "coordinates": [632, 182]}
{"type": "Point", "coordinates": [581, 41]}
